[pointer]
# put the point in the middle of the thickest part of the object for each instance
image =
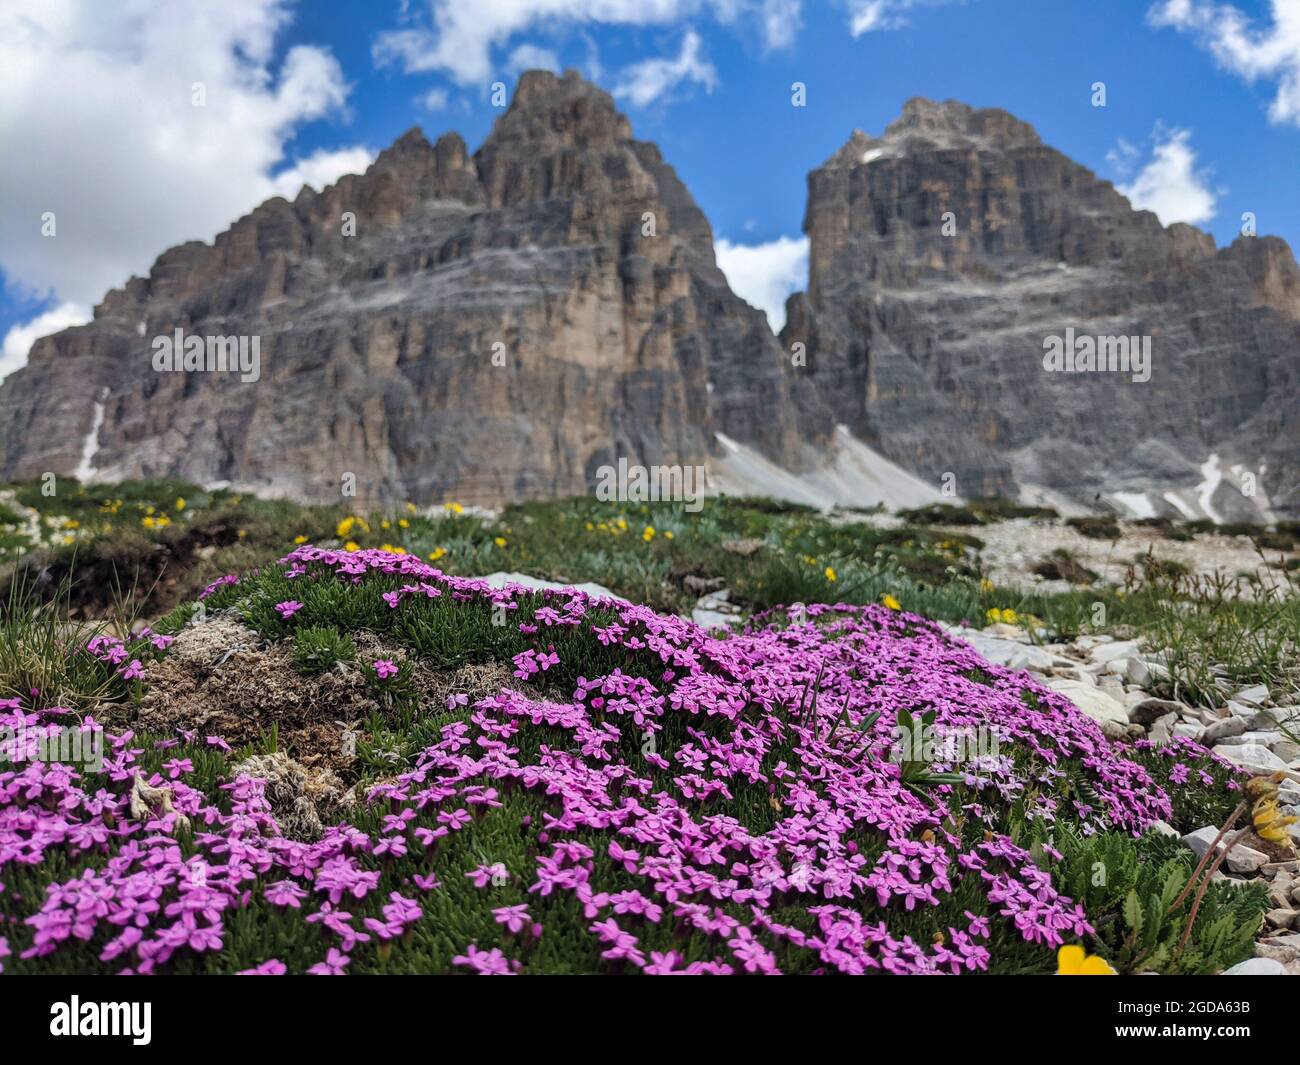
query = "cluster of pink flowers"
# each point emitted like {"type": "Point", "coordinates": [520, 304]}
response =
{"type": "Point", "coordinates": [846, 840]}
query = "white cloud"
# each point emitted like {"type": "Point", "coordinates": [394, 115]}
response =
{"type": "Point", "coordinates": [1271, 53]}
{"type": "Point", "coordinates": [20, 338]}
{"type": "Point", "coordinates": [643, 83]}
{"type": "Point", "coordinates": [433, 100]}
{"type": "Point", "coordinates": [321, 168]}
{"type": "Point", "coordinates": [99, 127]}
{"type": "Point", "coordinates": [457, 37]}
{"type": "Point", "coordinates": [765, 274]}
{"type": "Point", "coordinates": [1169, 184]}
{"type": "Point", "coordinates": [533, 57]}
{"type": "Point", "coordinates": [866, 16]}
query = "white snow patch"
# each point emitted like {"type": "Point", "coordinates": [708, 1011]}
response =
{"type": "Point", "coordinates": [1138, 504]}
{"type": "Point", "coordinates": [85, 470]}
{"type": "Point", "coordinates": [852, 474]}
{"type": "Point", "coordinates": [872, 154]}
{"type": "Point", "coordinates": [1212, 476]}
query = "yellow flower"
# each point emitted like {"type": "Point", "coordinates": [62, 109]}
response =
{"type": "Point", "coordinates": [455, 508]}
{"type": "Point", "coordinates": [345, 526]}
{"type": "Point", "coordinates": [986, 585]}
{"type": "Point", "coordinates": [590, 526]}
{"type": "Point", "coordinates": [180, 503]}
{"type": "Point", "coordinates": [72, 523]}
{"type": "Point", "coordinates": [403, 523]}
{"type": "Point", "coordinates": [500, 541]}
{"type": "Point", "coordinates": [410, 508]}
{"type": "Point", "coordinates": [648, 534]}
{"type": "Point", "coordinates": [1269, 822]}
{"type": "Point", "coordinates": [384, 524]}
{"type": "Point", "coordinates": [393, 550]}
{"type": "Point", "coordinates": [148, 510]}
{"type": "Point", "coordinates": [830, 573]}
{"type": "Point", "coordinates": [69, 539]}
{"type": "Point", "coordinates": [300, 539]}
{"type": "Point", "coordinates": [1007, 616]}
{"type": "Point", "coordinates": [437, 553]}
{"type": "Point", "coordinates": [668, 535]}
{"type": "Point", "coordinates": [892, 603]}
{"type": "Point", "coordinates": [1073, 960]}
{"type": "Point", "coordinates": [352, 545]}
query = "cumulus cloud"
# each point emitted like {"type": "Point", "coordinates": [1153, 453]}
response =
{"type": "Point", "coordinates": [20, 338]}
{"type": "Point", "coordinates": [765, 274]}
{"type": "Point", "coordinates": [321, 168]}
{"type": "Point", "coordinates": [140, 125]}
{"type": "Point", "coordinates": [643, 83]}
{"type": "Point", "coordinates": [1170, 183]}
{"type": "Point", "coordinates": [457, 38]}
{"type": "Point", "coordinates": [533, 57]}
{"type": "Point", "coordinates": [866, 16]}
{"type": "Point", "coordinates": [1238, 45]}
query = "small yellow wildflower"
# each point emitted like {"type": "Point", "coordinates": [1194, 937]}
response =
{"type": "Point", "coordinates": [668, 534]}
{"type": "Point", "coordinates": [384, 524]}
{"type": "Point", "coordinates": [352, 545]}
{"type": "Point", "coordinates": [437, 553]}
{"type": "Point", "coordinates": [410, 507]}
{"type": "Point", "coordinates": [891, 602]}
{"type": "Point", "coordinates": [590, 526]}
{"type": "Point", "coordinates": [180, 503]}
{"type": "Point", "coordinates": [1073, 960]}
{"type": "Point", "coordinates": [72, 523]}
{"type": "Point", "coordinates": [403, 523]}
{"type": "Point", "coordinates": [500, 541]}
{"type": "Point", "coordinates": [830, 573]}
{"type": "Point", "coordinates": [300, 539]}
{"type": "Point", "coordinates": [345, 526]}
{"type": "Point", "coordinates": [393, 549]}
{"type": "Point", "coordinates": [455, 508]}
{"type": "Point", "coordinates": [648, 534]}
{"type": "Point", "coordinates": [986, 585]}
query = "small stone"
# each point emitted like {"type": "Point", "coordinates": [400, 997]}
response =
{"type": "Point", "coordinates": [1164, 828]}
{"type": "Point", "coordinates": [1241, 859]}
{"type": "Point", "coordinates": [1222, 730]}
{"type": "Point", "coordinates": [1108, 712]}
{"type": "Point", "coordinates": [1162, 731]}
{"type": "Point", "coordinates": [1280, 918]}
{"type": "Point", "coordinates": [1257, 694]}
{"type": "Point", "coordinates": [1257, 967]}
{"type": "Point", "coordinates": [1111, 651]}
{"type": "Point", "coordinates": [1149, 711]}
{"type": "Point", "coordinates": [1136, 672]}
{"type": "Point", "coordinates": [1184, 729]}
{"type": "Point", "coordinates": [1252, 756]}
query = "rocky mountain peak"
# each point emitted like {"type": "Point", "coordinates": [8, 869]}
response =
{"type": "Point", "coordinates": [552, 112]}
{"type": "Point", "coordinates": [951, 124]}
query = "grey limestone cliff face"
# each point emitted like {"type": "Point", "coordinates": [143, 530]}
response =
{"type": "Point", "coordinates": [946, 252]}
{"type": "Point", "coordinates": [499, 326]}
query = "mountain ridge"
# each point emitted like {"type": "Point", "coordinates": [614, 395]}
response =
{"type": "Point", "coordinates": [623, 344]}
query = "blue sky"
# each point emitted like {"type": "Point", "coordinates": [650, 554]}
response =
{"type": "Point", "coordinates": [1201, 123]}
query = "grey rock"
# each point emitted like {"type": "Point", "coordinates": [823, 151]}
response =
{"type": "Point", "coordinates": [1162, 729]}
{"type": "Point", "coordinates": [1241, 859]}
{"type": "Point", "coordinates": [1257, 967]}
{"type": "Point", "coordinates": [1222, 730]}
{"type": "Point", "coordinates": [1107, 711]}
{"type": "Point", "coordinates": [1151, 710]}
{"type": "Point", "coordinates": [1252, 756]}
{"type": "Point", "coordinates": [1256, 694]}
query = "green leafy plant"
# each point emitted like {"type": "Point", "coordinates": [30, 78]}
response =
{"type": "Point", "coordinates": [318, 649]}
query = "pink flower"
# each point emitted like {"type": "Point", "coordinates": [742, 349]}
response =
{"type": "Point", "coordinates": [384, 668]}
{"type": "Point", "coordinates": [288, 608]}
